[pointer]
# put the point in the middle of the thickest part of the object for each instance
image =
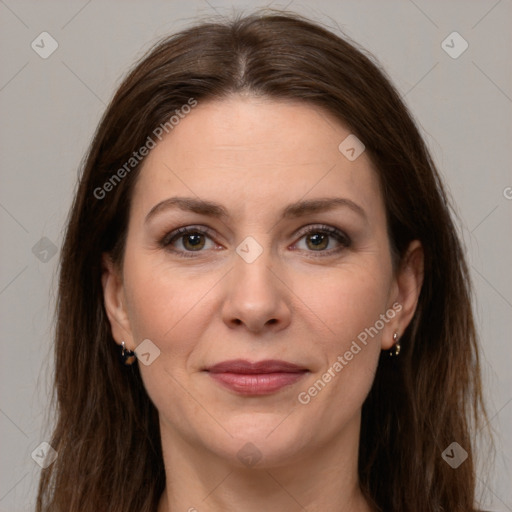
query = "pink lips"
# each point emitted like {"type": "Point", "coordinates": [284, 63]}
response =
{"type": "Point", "coordinates": [261, 378]}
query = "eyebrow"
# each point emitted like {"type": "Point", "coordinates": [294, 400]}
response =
{"type": "Point", "coordinates": [216, 210]}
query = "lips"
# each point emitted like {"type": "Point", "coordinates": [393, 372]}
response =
{"type": "Point", "coordinates": [245, 367]}
{"type": "Point", "coordinates": [259, 378]}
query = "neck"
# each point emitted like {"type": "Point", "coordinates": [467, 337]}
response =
{"type": "Point", "coordinates": [323, 479]}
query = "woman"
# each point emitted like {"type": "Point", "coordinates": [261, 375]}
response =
{"type": "Point", "coordinates": [261, 234]}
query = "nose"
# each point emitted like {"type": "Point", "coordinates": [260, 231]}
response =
{"type": "Point", "coordinates": [255, 297]}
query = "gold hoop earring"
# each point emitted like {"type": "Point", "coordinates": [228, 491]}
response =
{"type": "Point", "coordinates": [395, 350]}
{"type": "Point", "coordinates": [128, 357]}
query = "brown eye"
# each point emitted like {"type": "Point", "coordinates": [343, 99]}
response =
{"type": "Point", "coordinates": [324, 240]}
{"type": "Point", "coordinates": [189, 239]}
{"type": "Point", "coordinates": [193, 241]}
{"type": "Point", "coordinates": [317, 241]}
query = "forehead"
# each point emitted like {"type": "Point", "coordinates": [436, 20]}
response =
{"type": "Point", "coordinates": [259, 151]}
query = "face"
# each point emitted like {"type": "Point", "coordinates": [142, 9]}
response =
{"type": "Point", "coordinates": [257, 263]}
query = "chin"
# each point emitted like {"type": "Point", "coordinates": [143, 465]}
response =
{"type": "Point", "coordinates": [262, 441]}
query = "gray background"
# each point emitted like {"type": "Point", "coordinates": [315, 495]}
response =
{"type": "Point", "coordinates": [50, 107]}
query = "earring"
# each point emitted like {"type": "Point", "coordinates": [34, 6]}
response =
{"type": "Point", "coordinates": [395, 350]}
{"type": "Point", "coordinates": [127, 356]}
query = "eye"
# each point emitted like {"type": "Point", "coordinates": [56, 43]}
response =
{"type": "Point", "coordinates": [321, 238]}
{"type": "Point", "coordinates": [188, 239]}
{"type": "Point", "coordinates": [194, 239]}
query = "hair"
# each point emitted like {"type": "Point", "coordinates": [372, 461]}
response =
{"type": "Point", "coordinates": [107, 432]}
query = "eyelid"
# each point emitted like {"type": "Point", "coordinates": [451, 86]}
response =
{"type": "Point", "coordinates": [185, 230]}
{"type": "Point", "coordinates": [330, 230]}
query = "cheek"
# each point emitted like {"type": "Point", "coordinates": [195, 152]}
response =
{"type": "Point", "coordinates": [335, 396]}
{"type": "Point", "coordinates": [171, 311]}
{"type": "Point", "coordinates": [349, 304]}
{"type": "Point", "coordinates": [345, 301]}
{"type": "Point", "coordinates": [161, 301]}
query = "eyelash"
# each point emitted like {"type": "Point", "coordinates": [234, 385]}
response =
{"type": "Point", "coordinates": [342, 238]}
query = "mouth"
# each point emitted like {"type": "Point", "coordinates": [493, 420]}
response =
{"type": "Point", "coordinates": [259, 378]}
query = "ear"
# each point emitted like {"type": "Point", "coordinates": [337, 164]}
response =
{"type": "Point", "coordinates": [115, 302]}
{"type": "Point", "coordinates": [406, 290]}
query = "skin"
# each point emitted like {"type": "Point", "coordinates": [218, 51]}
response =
{"type": "Point", "coordinates": [296, 302]}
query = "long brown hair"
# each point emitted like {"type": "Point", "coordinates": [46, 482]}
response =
{"type": "Point", "coordinates": [107, 433]}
